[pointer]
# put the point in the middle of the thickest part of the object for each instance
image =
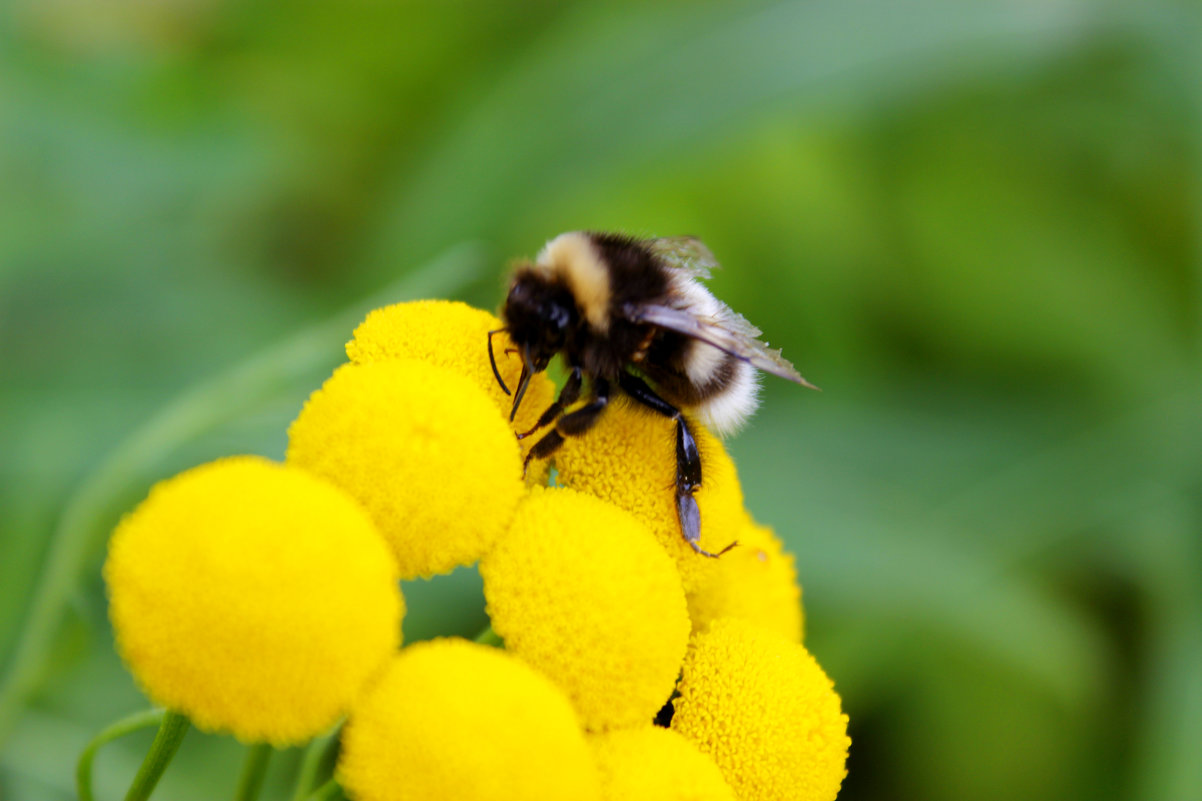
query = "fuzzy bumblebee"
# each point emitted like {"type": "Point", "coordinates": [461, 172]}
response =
{"type": "Point", "coordinates": [631, 316]}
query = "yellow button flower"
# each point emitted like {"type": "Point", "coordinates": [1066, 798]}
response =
{"type": "Point", "coordinates": [580, 590]}
{"type": "Point", "coordinates": [655, 764]}
{"type": "Point", "coordinates": [452, 335]}
{"type": "Point", "coordinates": [423, 449]}
{"type": "Point", "coordinates": [629, 459]}
{"type": "Point", "coordinates": [756, 582]}
{"type": "Point", "coordinates": [455, 720]}
{"type": "Point", "coordinates": [764, 710]}
{"type": "Point", "coordinates": [252, 597]}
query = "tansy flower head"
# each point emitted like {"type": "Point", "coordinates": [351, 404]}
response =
{"type": "Point", "coordinates": [580, 590]}
{"type": "Point", "coordinates": [423, 449]}
{"type": "Point", "coordinates": [756, 582]}
{"type": "Point", "coordinates": [253, 597]}
{"type": "Point", "coordinates": [629, 459]}
{"type": "Point", "coordinates": [655, 764]}
{"type": "Point", "coordinates": [451, 719]}
{"type": "Point", "coordinates": [764, 710]}
{"type": "Point", "coordinates": [452, 335]}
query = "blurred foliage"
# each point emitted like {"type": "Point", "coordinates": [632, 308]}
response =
{"type": "Point", "coordinates": [975, 225]}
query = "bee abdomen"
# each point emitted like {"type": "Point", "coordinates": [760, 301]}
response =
{"type": "Point", "coordinates": [729, 396]}
{"type": "Point", "coordinates": [722, 390]}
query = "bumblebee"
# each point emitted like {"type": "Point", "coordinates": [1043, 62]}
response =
{"type": "Point", "coordinates": [631, 316]}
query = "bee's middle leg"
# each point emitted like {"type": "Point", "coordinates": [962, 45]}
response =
{"type": "Point", "coordinates": [572, 424]}
{"type": "Point", "coordinates": [688, 461]}
{"type": "Point", "coordinates": [567, 396]}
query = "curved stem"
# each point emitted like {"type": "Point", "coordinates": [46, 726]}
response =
{"type": "Point", "coordinates": [127, 725]}
{"type": "Point", "coordinates": [327, 791]}
{"type": "Point", "coordinates": [254, 770]}
{"type": "Point", "coordinates": [84, 523]}
{"type": "Point", "coordinates": [162, 751]}
{"type": "Point", "coordinates": [490, 637]}
{"type": "Point", "coordinates": [316, 755]}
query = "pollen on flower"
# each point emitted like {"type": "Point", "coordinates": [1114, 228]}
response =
{"type": "Point", "coordinates": [629, 459]}
{"type": "Point", "coordinates": [253, 597]}
{"type": "Point", "coordinates": [580, 590]}
{"type": "Point", "coordinates": [452, 335]}
{"type": "Point", "coordinates": [764, 710]}
{"type": "Point", "coordinates": [455, 720]}
{"type": "Point", "coordinates": [423, 449]}
{"type": "Point", "coordinates": [756, 582]}
{"type": "Point", "coordinates": [650, 763]}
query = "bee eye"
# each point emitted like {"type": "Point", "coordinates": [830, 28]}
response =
{"type": "Point", "coordinates": [558, 316]}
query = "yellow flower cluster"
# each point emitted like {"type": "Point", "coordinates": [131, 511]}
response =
{"type": "Point", "coordinates": [764, 710]}
{"type": "Point", "coordinates": [628, 453]}
{"type": "Point", "coordinates": [397, 435]}
{"type": "Point", "coordinates": [253, 597]}
{"type": "Point", "coordinates": [650, 763]}
{"type": "Point", "coordinates": [756, 581]}
{"type": "Point", "coordinates": [452, 719]}
{"type": "Point", "coordinates": [450, 335]}
{"type": "Point", "coordinates": [580, 590]}
{"type": "Point", "coordinates": [629, 460]}
{"type": "Point", "coordinates": [262, 599]}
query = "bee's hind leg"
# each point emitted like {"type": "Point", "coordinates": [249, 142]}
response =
{"type": "Point", "coordinates": [572, 424]}
{"type": "Point", "coordinates": [688, 461]}
{"type": "Point", "coordinates": [567, 396]}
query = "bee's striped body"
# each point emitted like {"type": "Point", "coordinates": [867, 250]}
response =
{"type": "Point", "coordinates": [633, 312]}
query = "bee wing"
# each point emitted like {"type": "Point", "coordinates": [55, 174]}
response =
{"type": "Point", "coordinates": [685, 253]}
{"type": "Point", "coordinates": [726, 330]}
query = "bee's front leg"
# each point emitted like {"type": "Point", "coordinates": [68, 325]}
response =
{"type": "Point", "coordinates": [688, 462]}
{"type": "Point", "coordinates": [572, 424]}
{"type": "Point", "coordinates": [567, 396]}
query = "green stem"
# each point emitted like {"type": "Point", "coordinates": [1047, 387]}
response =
{"type": "Point", "coordinates": [162, 751]}
{"type": "Point", "coordinates": [254, 770]}
{"type": "Point", "coordinates": [316, 755]}
{"type": "Point", "coordinates": [88, 514]}
{"type": "Point", "coordinates": [327, 791]}
{"type": "Point", "coordinates": [490, 637]}
{"type": "Point", "coordinates": [128, 725]}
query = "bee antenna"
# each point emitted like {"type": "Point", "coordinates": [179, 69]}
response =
{"type": "Point", "coordinates": [493, 361]}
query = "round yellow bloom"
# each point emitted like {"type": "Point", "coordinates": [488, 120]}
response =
{"type": "Point", "coordinates": [580, 590]}
{"type": "Point", "coordinates": [253, 597]}
{"type": "Point", "coordinates": [764, 710]}
{"type": "Point", "coordinates": [756, 582]}
{"type": "Point", "coordinates": [452, 335]}
{"type": "Point", "coordinates": [423, 449]}
{"type": "Point", "coordinates": [455, 720]}
{"type": "Point", "coordinates": [655, 764]}
{"type": "Point", "coordinates": [629, 459]}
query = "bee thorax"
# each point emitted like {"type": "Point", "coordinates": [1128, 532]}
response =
{"type": "Point", "coordinates": [574, 259]}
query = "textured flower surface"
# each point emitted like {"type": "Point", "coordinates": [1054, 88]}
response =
{"type": "Point", "coordinates": [629, 459]}
{"type": "Point", "coordinates": [756, 581]}
{"type": "Point", "coordinates": [253, 597]}
{"type": "Point", "coordinates": [764, 710]}
{"type": "Point", "coordinates": [452, 335]}
{"type": "Point", "coordinates": [262, 599]}
{"type": "Point", "coordinates": [423, 449]}
{"type": "Point", "coordinates": [580, 590]}
{"type": "Point", "coordinates": [655, 764]}
{"type": "Point", "coordinates": [451, 719]}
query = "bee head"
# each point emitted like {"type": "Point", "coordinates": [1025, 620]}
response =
{"type": "Point", "coordinates": [539, 314]}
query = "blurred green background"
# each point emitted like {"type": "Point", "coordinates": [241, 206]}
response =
{"type": "Point", "coordinates": [974, 224]}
